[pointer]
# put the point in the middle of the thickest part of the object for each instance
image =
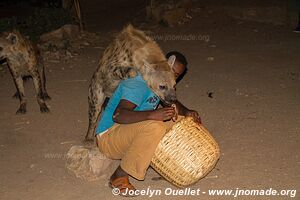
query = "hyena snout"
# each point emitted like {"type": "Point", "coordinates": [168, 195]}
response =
{"type": "Point", "coordinates": [170, 97]}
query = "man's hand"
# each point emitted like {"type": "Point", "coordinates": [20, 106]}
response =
{"type": "Point", "coordinates": [194, 114]}
{"type": "Point", "coordinates": [182, 110]}
{"type": "Point", "coordinates": [162, 114]}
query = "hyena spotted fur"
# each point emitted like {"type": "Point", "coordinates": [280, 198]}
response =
{"type": "Point", "coordinates": [131, 52]}
{"type": "Point", "coordinates": [23, 60]}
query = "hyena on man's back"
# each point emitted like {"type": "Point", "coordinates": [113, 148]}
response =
{"type": "Point", "coordinates": [131, 52]}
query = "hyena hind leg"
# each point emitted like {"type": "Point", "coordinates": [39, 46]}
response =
{"type": "Point", "coordinates": [38, 88]}
{"type": "Point", "coordinates": [95, 100]}
{"type": "Point", "coordinates": [45, 95]}
{"type": "Point", "coordinates": [17, 94]}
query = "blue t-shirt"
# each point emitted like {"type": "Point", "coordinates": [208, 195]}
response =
{"type": "Point", "coordinates": [134, 90]}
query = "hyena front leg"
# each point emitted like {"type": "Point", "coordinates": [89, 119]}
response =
{"type": "Point", "coordinates": [21, 94]}
{"type": "Point", "coordinates": [124, 72]}
{"type": "Point", "coordinates": [39, 92]}
{"type": "Point", "coordinates": [95, 100]}
{"type": "Point", "coordinates": [17, 95]}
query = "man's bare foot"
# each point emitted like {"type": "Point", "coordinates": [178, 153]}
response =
{"type": "Point", "coordinates": [119, 182]}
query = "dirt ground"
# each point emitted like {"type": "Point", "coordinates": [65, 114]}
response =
{"type": "Point", "coordinates": [252, 71]}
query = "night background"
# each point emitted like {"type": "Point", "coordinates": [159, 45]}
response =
{"type": "Point", "coordinates": [243, 78]}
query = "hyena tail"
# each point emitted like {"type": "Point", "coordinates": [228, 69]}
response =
{"type": "Point", "coordinates": [95, 100]}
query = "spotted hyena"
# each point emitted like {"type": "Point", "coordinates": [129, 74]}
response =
{"type": "Point", "coordinates": [23, 60]}
{"type": "Point", "coordinates": [132, 51]}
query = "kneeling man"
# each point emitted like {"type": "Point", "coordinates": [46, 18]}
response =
{"type": "Point", "coordinates": [130, 128]}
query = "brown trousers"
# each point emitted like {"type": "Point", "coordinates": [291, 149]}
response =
{"type": "Point", "coordinates": [134, 144]}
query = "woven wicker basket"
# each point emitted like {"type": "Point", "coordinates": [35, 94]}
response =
{"type": "Point", "coordinates": [186, 153]}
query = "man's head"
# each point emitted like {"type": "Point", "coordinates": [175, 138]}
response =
{"type": "Point", "coordinates": [180, 65]}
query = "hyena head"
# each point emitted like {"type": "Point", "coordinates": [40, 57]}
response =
{"type": "Point", "coordinates": [9, 44]}
{"type": "Point", "coordinates": [161, 79]}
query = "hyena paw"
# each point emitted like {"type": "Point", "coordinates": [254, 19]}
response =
{"type": "Point", "coordinates": [88, 142]}
{"type": "Point", "coordinates": [45, 96]}
{"type": "Point", "coordinates": [21, 110]}
{"type": "Point", "coordinates": [132, 73]}
{"type": "Point", "coordinates": [44, 109]}
{"type": "Point", "coordinates": [124, 72]}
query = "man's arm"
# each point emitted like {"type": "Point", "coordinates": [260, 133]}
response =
{"type": "Point", "coordinates": [125, 114]}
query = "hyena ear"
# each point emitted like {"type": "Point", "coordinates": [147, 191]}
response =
{"type": "Point", "coordinates": [12, 38]}
{"type": "Point", "coordinates": [171, 61]}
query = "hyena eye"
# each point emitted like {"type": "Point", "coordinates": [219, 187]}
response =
{"type": "Point", "coordinates": [162, 87]}
{"type": "Point", "coordinates": [1, 48]}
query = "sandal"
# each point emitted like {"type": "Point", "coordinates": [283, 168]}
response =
{"type": "Point", "coordinates": [122, 187]}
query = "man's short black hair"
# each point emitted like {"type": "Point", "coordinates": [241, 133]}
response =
{"type": "Point", "coordinates": [179, 57]}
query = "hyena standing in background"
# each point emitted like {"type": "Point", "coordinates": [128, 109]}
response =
{"type": "Point", "coordinates": [23, 60]}
{"type": "Point", "coordinates": [130, 53]}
